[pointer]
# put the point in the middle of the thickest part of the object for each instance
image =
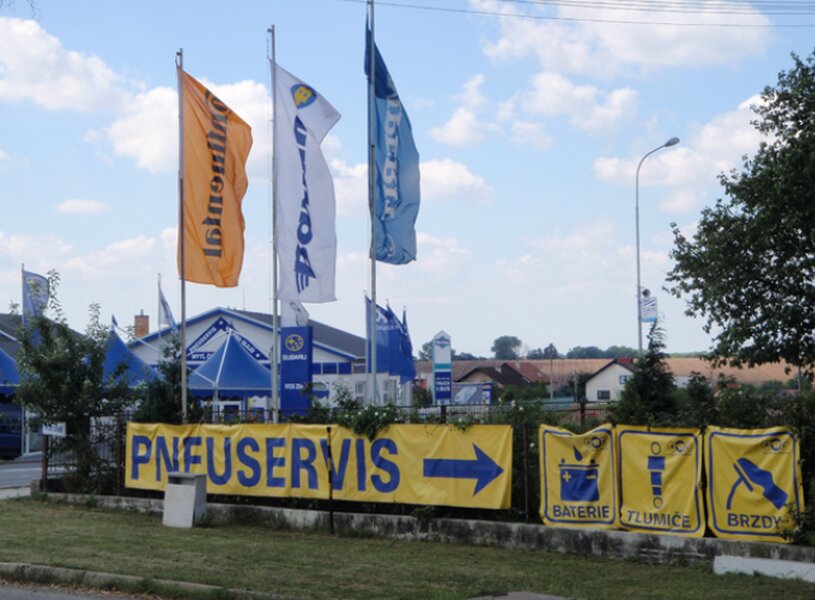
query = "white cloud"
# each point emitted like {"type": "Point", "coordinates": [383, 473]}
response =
{"type": "Point", "coordinates": [350, 187]}
{"type": "Point", "coordinates": [147, 131]}
{"type": "Point", "coordinates": [35, 66]}
{"type": "Point", "coordinates": [587, 107]}
{"type": "Point", "coordinates": [80, 206]}
{"type": "Point", "coordinates": [3, 155]}
{"type": "Point", "coordinates": [448, 179]}
{"type": "Point", "coordinates": [465, 127]}
{"type": "Point", "coordinates": [692, 167]}
{"type": "Point", "coordinates": [587, 41]}
{"type": "Point", "coordinates": [527, 133]}
{"type": "Point", "coordinates": [37, 251]}
{"type": "Point", "coordinates": [123, 259]}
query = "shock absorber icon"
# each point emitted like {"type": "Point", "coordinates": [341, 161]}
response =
{"type": "Point", "coordinates": [656, 467]}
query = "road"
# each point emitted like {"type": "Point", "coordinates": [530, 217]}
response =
{"type": "Point", "coordinates": [12, 591]}
{"type": "Point", "coordinates": [18, 473]}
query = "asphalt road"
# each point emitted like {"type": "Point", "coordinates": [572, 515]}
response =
{"type": "Point", "coordinates": [11, 591]}
{"type": "Point", "coordinates": [18, 473]}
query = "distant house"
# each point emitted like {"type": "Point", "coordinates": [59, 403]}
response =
{"type": "Point", "coordinates": [500, 376]}
{"type": "Point", "coordinates": [606, 384]}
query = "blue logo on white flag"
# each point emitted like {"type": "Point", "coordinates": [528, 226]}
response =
{"type": "Point", "coordinates": [397, 194]}
{"type": "Point", "coordinates": [35, 294]}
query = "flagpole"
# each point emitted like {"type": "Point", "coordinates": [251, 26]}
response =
{"type": "Point", "coordinates": [158, 313]}
{"type": "Point", "coordinates": [373, 395]}
{"type": "Point", "coordinates": [179, 62]}
{"type": "Point", "coordinates": [273, 174]}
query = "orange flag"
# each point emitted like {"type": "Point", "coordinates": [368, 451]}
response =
{"type": "Point", "coordinates": [216, 146]}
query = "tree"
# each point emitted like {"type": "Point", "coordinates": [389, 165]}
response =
{"type": "Point", "coordinates": [648, 397]}
{"type": "Point", "coordinates": [61, 380]}
{"type": "Point", "coordinates": [466, 356]}
{"type": "Point", "coordinates": [426, 352]}
{"type": "Point", "coordinates": [585, 352]}
{"type": "Point", "coordinates": [749, 268]}
{"type": "Point", "coordinates": [543, 354]}
{"type": "Point", "coordinates": [507, 347]}
{"type": "Point", "coordinates": [161, 397]}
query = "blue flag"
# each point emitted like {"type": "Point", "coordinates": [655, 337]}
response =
{"type": "Point", "coordinates": [396, 196]}
{"type": "Point", "coordinates": [407, 368]}
{"type": "Point", "coordinates": [382, 336]}
{"type": "Point", "coordinates": [35, 294]}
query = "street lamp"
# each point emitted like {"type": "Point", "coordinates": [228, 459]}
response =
{"type": "Point", "coordinates": [671, 142]}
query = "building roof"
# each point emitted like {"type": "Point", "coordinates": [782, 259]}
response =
{"type": "Point", "coordinates": [503, 374]}
{"type": "Point", "coordinates": [324, 336]}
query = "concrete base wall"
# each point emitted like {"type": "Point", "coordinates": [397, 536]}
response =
{"type": "Point", "coordinates": [612, 544]}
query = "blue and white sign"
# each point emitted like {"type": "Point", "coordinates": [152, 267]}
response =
{"type": "Point", "coordinates": [649, 309]}
{"type": "Point", "coordinates": [196, 354]}
{"type": "Point", "coordinates": [296, 356]}
{"type": "Point", "coordinates": [55, 429]}
{"type": "Point", "coordinates": [442, 368]}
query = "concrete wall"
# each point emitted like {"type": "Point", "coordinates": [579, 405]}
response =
{"type": "Point", "coordinates": [611, 544]}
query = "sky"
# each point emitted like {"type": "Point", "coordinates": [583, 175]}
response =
{"type": "Point", "coordinates": [530, 119]}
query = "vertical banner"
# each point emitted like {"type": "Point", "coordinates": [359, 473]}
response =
{"type": "Point", "coordinates": [296, 357]}
{"type": "Point", "coordinates": [305, 234]}
{"type": "Point", "coordinates": [442, 368]}
{"type": "Point", "coordinates": [396, 203]}
{"type": "Point", "coordinates": [660, 480]}
{"type": "Point", "coordinates": [754, 476]}
{"type": "Point", "coordinates": [216, 147]}
{"type": "Point", "coordinates": [578, 478]}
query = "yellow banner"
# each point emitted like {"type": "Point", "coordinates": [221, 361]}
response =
{"type": "Point", "coordinates": [660, 480]}
{"type": "Point", "coordinates": [411, 464]}
{"type": "Point", "coordinates": [578, 478]}
{"type": "Point", "coordinates": [216, 148]}
{"type": "Point", "coordinates": [754, 475]}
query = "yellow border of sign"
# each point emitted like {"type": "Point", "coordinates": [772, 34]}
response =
{"type": "Point", "coordinates": [698, 501]}
{"type": "Point", "coordinates": [722, 532]}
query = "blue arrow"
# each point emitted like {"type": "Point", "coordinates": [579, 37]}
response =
{"type": "Point", "coordinates": [483, 469]}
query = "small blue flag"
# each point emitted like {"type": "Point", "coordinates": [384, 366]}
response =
{"type": "Point", "coordinates": [407, 368]}
{"type": "Point", "coordinates": [383, 339]}
{"type": "Point", "coordinates": [114, 323]}
{"type": "Point", "coordinates": [165, 315]}
{"type": "Point", "coordinates": [397, 195]}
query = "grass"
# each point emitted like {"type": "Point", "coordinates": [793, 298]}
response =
{"type": "Point", "coordinates": [313, 565]}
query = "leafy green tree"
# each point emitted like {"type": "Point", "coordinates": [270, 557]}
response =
{"type": "Point", "coordinates": [161, 397]}
{"type": "Point", "coordinates": [620, 352]}
{"type": "Point", "coordinates": [585, 352]}
{"type": "Point", "coordinates": [61, 380]}
{"type": "Point", "coordinates": [466, 356]}
{"type": "Point", "coordinates": [507, 347]}
{"type": "Point", "coordinates": [426, 352]}
{"type": "Point", "coordinates": [649, 396]}
{"type": "Point", "coordinates": [749, 268]}
{"type": "Point", "coordinates": [543, 353]}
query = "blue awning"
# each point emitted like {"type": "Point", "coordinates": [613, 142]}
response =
{"type": "Point", "coordinates": [231, 371]}
{"type": "Point", "coordinates": [9, 374]}
{"type": "Point", "coordinates": [136, 370]}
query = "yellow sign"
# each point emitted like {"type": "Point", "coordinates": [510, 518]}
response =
{"type": "Point", "coordinates": [578, 478]}
{"type": "Point", "coordinates": [754, 475]}
{"type": "Point", "coordinates": [660, 480]}
{"type": "Point", "coordinates": [412, 464]}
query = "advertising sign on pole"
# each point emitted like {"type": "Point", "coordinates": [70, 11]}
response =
{"type": "Point", "coordinates": [442, 368]}
{"type": "Point", "coordinates": [295, 370]}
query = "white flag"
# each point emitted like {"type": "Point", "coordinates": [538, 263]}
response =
{"type": "Point", "coordinates": [293, 314]}
{"type": "Point", "coordinates": [305, 237]}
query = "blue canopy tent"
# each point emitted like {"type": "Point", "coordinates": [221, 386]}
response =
{"type": "Point", "coordinates": [229, 373]}
{"type": "Point", "coordinates": [116, 352]}
{"type": "Point", "coordinates": [9, 374]}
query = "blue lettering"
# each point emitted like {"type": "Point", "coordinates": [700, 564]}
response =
{"type": "Point", "coordinates": [163, 456]}
{"type": "Point", "coordinates": [139, 441]}
{"type": "Point", "coordinates": [273, 462]}
{"type": "Point", "coordinates": [386, 465]}
{"type": "Point", "coordinates": [190, 458]}
{"type": "Point", "coordinates": [301, 463]}
{"type": "Point", "coordinates": [248, 461]}
{"type": "Point", "coordinates": [337, 472]}
{"type": "Point", "coordinates": [362, 475]}
{"type": "Point", "coordinates": [212, 473]}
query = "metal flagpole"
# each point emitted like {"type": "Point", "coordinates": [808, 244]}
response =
{"type": "Point", "coordinates": [179, 62]}
{"type": "Point", "coordinates": [273, 173]}
{"type": "Point", "coordinates": [372, 394]}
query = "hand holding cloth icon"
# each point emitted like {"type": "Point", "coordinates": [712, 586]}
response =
{"type": "Point", "coordinates": [749, 472]}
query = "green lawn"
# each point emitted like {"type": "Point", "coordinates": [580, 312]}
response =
{"type": "Point", "coordinates": [314, 565]}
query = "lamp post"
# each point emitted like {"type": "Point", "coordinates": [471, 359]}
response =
{"type": "Point", "coordinates": [671, 142]}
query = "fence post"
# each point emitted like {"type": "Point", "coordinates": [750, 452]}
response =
{"type": "Point", "coordinates": [526, 469]}
{"type": "Point", "coordinates": [330, 483]}
{"type": "Point", "coordinates": [44, 465]}
{"type": "Point", "coordinates": [444, 413]}
{"type": "Point", "coordinates": [582, 411]}
{"type": "Point", "coordinates": [119, 456]}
